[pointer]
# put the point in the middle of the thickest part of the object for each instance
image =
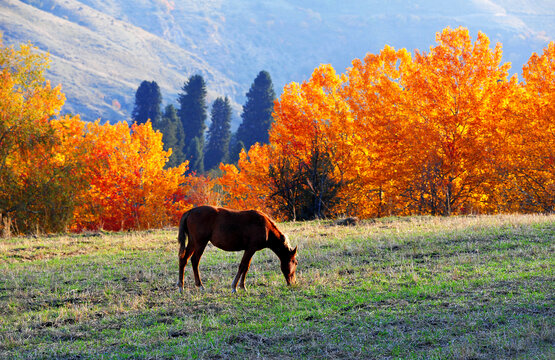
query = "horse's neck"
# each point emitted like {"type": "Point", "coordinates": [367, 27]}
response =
{"type": "Point", "coordinates": [279, 248]}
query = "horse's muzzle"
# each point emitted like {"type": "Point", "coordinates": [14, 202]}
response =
{"type": "Point", "coordinates": [291, 280]}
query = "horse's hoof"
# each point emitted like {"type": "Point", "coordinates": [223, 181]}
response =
{"type": "Point", "coordinates": [233, 291]}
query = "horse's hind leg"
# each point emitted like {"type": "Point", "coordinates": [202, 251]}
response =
{"type": "Point", "coordinates": [184, 255]}
{"type": "Point", "coordinates": [243, 268]}
{"type": "Point", "coordinates": [195, 262]}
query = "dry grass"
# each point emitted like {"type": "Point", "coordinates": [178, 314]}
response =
{"type": "Point", "coordinates": [419, 287]}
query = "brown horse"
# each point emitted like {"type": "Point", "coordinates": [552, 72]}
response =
{"type": "Point", "coordinates": [232, 230]}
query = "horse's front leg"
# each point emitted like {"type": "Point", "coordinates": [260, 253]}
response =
{"type": "Point", "coordinates": [243, 268]}
{"type": "Point", "coordinates": [195, 262]}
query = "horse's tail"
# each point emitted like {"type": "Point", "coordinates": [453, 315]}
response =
{"type": "Point", "coordinates": [183, 231]}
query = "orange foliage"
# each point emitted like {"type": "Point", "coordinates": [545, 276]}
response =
{"type": "Point", "coordinates": [457, 98]}
{"type": "Point", "coordinates": [59, 171]}
{"type": "Point", "coordinates": [129, 187]}
{"type": "Point", "coordinates": [439, 132]}
{"type": "Point", "coordinates": [384, 129]}
{"type": "Point", "coordinates": [246, 185]}
{"type": "Point", "coordinates": [37, 183]}
{"type": "Point", "coordinates": [199, 190]}
{"type": "Point", "coordinates": [530, 156]}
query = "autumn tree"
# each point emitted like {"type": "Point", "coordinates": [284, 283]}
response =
{"type": "Point", "coordinates": [313, 129]}
{"type": "Point", "coordinates": [37, 183]}
{"type": "Point", "coordinates": [455, 96]}
{"type": "Point", "coordinates": [433, 124]}
{"type": "Point", "coordinates": [305, 164]}
{"type": "Point", "coordinates": [129, 187]}
{"type": "Point", "coordinates": [245, 185]}
{"type": "Point", "coordinates": [219, 134]}
{"type": "Point", "coordinates": [148, 100]}
{"type": "Point", "coordinates": [531, 180]}
{"type": "Point", "coordinates": [383, 132]}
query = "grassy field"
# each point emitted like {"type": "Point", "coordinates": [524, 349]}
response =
{"type": "Point", "coordinates": [409, 288]}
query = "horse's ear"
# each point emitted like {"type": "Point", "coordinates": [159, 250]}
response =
{"type": "Point", "coordinates": [295, 250]}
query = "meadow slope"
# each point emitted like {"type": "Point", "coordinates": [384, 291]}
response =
{"type": "Point", "coordinates": [419, 288]}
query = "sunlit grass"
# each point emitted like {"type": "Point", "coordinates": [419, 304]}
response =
{"type": "Point", "coordinates": [420, 287]}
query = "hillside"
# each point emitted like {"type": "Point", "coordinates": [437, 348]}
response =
{"type": "Point", "coordinates": [103, 49]}
{"type": "Point", "coordinates": [100, 61]}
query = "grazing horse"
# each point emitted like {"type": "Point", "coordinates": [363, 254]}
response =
{"type": "Point", "coordinates": [232, 230]}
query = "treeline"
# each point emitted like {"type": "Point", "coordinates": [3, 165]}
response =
{"type": "Point", "coordinates": [184, 127]}
{"type": "Point", "coordinates": [440, 132]}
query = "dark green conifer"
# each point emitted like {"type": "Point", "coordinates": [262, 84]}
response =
{"type": "Point", "coordinates": [196, 161]}
{"type": "Point", "coordinates": [192, 113]}
{"type": "Point", "coordinates": [173, 136]}
{"type": "Point", "coordinates": [219, 134]}
{"type": "Point", "coordinates": [257, 112]}
{"type": "Point", "coordinates": [148, 99]}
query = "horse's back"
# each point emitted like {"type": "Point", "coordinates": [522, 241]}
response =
{"type": "Point", "coordinates": [203, 211]}
{"type": "Point", "coordinates": [200, 221]}
{"type": "Point", "coordinates": [228, 229]}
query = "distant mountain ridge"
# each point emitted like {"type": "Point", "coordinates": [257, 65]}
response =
{"type": "Point", "coordinates": [102, 49]}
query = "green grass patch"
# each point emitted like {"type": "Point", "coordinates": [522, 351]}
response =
{"type": "Point", "coordinates": [411, 288]}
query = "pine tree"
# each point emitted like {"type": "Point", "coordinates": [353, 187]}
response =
{"type": "Point", "coordinates": [235, 147]}
{"type": "Point", "coordinates": [196, 163]}
{"type": "Point", "coordinates": [147, 103]}
{"type": "Point", "coordinates": [219, 134]}
{"type": "Point", "coordinates": [192, 114]}
{"type": "Point", "coordinates": [257, 112]}
{"type": "Point", "coordinates": [173, 136]}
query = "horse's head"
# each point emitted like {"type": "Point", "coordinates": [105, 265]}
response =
{"type": "Point", "coordinates": [289, 266]}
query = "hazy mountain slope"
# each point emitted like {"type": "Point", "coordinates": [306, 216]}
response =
{"type": "Point", "coordinates": [302, 36]}
{"type": "Point", "coordinates": [100, 61]}
{"type": "Point", "coordinates": [103, 48]}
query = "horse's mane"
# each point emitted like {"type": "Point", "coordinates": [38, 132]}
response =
{"type": "Point", "coordinates": [277, 231]}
